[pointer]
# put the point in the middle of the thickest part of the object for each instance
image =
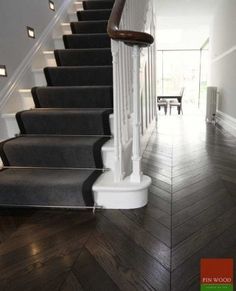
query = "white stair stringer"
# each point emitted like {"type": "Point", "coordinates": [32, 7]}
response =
{"type": "Point", "coordinates": [58, 42]}
{"type": "Point", "coordinates": [49, 59]}
{"type": "Point", "coordinates": [39, 77]}
{"type": "Point", "coordinates": [11, 124]}
{"type": "Point", "coordinates": [26, 97]}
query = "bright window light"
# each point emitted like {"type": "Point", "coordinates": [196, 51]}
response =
{"type": "Point", "coordinates": [170, 36]}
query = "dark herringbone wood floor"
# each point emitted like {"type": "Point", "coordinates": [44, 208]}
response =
{"type": "Point", "coordinates": [191, 215]}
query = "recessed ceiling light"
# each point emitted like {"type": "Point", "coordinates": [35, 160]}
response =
{"type": "Point", "coordinates": [51, 5]}
{"type": "Point", "coordinates": [30, 32]}
{"type": "Point", "coordinates": [3, 71]}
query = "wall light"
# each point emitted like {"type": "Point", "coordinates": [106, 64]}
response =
{"type": "Point", "coordinates": [3, 71]}
{"type": "Point", "coordinates": [51, 5]}
{"type": "Point", "coordinates": [30, 32]}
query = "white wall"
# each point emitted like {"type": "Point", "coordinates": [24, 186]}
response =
{"type": "Point", "coordinates": [15, 15]}
{"type": "Point", "coordinates": [223, 54]}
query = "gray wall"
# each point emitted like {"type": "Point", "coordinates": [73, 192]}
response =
{"type": "Point", "coordinates": [15, 15]}
{"type": "Point", "coordinates": [223, 70]}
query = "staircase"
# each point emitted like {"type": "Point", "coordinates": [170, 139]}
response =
{"type": "Point", "coordinates": [57, 156]}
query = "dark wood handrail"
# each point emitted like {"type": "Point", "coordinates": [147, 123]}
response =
{"type": "Point", "coordinates": [130, 37]}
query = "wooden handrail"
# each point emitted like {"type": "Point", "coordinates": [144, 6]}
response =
{"type": "Point", "coordinates": [130, 37]}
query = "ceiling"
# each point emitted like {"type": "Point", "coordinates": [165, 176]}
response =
{"type": "Point", "coordinates": [183, 24]}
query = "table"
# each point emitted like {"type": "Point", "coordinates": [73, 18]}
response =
{"type": "Point", "coordinates": [178, 97]}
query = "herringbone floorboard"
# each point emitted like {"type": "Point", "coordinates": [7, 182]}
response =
{"type": "Point", "coordinates": [191, 215]}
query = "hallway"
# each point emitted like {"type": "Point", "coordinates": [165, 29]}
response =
{"type": "Point", "coordinates": [191, 215]}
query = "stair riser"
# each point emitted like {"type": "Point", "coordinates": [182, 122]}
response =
{"type": "Point", "coordinates": [90, 76]}
{"type": "Point", "coordinates": [87, 15]}
{"type": "Point", "coordinates": [97, 5]}
{"type": "Point", "coordinates": [83, 58]}
{"type": "Point", "coordinates": [89, 27]}
{"type": "Point", "coordinates": [73, 98]}
{"type": "Point", "coordinates": [64, 124]}
{"type": "Point", "coordinates": [85, 41]}
{"type": "Point", "coordinates": [13, 128]}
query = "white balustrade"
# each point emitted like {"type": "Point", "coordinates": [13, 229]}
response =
{"type": "Point", "coordinates": [126, 90]}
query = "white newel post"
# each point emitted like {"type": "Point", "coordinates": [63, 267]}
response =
{"type": "Point", "coordinates": [136, 175]}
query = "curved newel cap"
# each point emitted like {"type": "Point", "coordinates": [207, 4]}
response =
{"type": "Point", "coordinates": [130, 37]}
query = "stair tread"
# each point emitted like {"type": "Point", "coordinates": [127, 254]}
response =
{"type": "Point", "coordinates": [66, 110]}
{"type": "Point", "coordinates": [89, 21]}
{"type": "Point", "coordinates": [95, 10]}
{"type": "Point", "coordinates": [58, 141]}
{"type": "Point", "coordinates": [81, 50]}
{"type": "Point", "coordinates": [47, 187]}
{"type": "Point", "coordinates": [73, 88]}
{"type": "Point", "coordinates": [53, 151]}
{"type": "Point", "coordinates": [89, 34]}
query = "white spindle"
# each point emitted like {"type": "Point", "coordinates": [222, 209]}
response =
{"type": "Point", "coordinates": [136, 175]}
{"type": "Point", "coordinates": [121, 93]}
{"type": "Point", "coordinates": [124, 94]}
{"type": "Point", "coordinates": [116, 113]}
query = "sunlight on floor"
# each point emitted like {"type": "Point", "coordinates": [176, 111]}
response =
{"type": "Point", "coordinates": [189, 126]}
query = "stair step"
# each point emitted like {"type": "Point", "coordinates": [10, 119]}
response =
{"type": "Point", "coordinates": [102, 14]}
{"type": "Point", "coordinates": [80, 41]}
{"type": "Point", "coordinates": [47, 187]}
{"type": "Point", "coordinates": [49, 58]}
{"type": "Point", "coordinates": [53, 151]}
{"type": "Point", "coordinates": [65, 28]}
{"type": "Point", "coordinates": [79, 76]}
{"type": "Point", "coordinates": [64, 121]}
{"type": "Point", "coordinates": [73, 97]}
{"type": "Point", "coordinates": [83, 57]}
{"type": "Point", "coordinates": [98, 4]}
{"type": "Point", "coordinates": [98, 26]}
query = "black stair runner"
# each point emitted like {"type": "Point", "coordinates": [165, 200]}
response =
{"type": "Point", "coordinates": [57, 156]}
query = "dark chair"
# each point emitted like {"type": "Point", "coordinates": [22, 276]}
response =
{"type": "Point", "coordinates": [178, 103]}
{"type": "Point", "coordinates": [162, 103]}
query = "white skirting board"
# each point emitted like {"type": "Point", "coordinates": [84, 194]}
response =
{"type": "Point", "coordinates": [227, 122]}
